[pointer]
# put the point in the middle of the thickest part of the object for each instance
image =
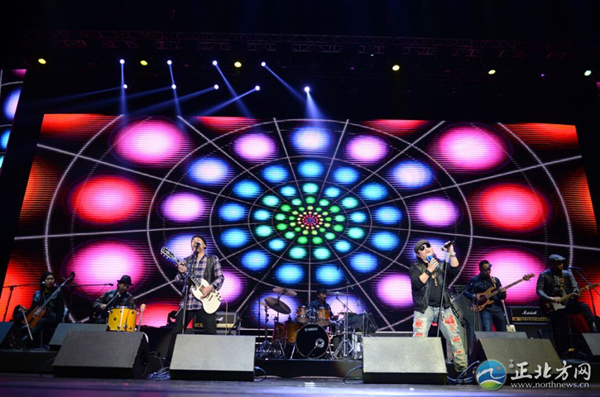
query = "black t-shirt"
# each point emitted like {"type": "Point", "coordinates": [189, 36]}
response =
{"type": "Point", "coordinates": [435, 292]}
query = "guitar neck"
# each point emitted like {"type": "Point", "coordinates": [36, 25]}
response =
{"type": "Point", "coordinates": [507, 287]}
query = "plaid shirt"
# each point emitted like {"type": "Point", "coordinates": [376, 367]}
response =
{"type": "Point", "coordinates": [198, 272]}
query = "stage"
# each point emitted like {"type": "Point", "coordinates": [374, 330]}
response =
{"type": "Point", "coordinates": [25, 385]}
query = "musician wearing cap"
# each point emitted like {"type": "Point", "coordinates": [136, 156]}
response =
{"type": "Point", "coordinates": [114, 298]}
{"type": "Point", "coordinates": [427, 276]}
{"type": "Point", "coordinates": [494, 312]}
{"type": "Point", "coordinates": [46, 310]}
{"type": "Point", "coordinates": [319, 304]}
{"type": "Point", "coordinates": [199, 265]}
{"type": "Point", "coordinates": [559, 294]}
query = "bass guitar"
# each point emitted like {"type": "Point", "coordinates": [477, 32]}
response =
{"type": "Point", "coordinates": [38, 313]}
{"type": "Point", "coordinates": [483, 299]}
{"type": "Point", "coordinates": [212, 301]}
{"type": "Point", "coordinates": [549, 306]}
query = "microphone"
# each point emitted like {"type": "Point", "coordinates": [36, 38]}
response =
{"type": "Point", "coordinates": [574, 267]}
{"type": "Point", "coordinates": [448, 244]}
{"type": "Point", "coordinates": [111, 284]}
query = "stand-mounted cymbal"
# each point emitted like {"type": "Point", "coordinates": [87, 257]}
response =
{"type": "Point", "coordinates": [284, 291]}
{"type": "Point", "coordinates": [277, 305]}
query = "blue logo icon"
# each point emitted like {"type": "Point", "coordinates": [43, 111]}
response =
{"type": "Point", "coordinates": [491, 375]}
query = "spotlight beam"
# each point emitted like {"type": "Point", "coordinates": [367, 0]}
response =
{"type": "Point", "coordinates": [226, 103]}
{"type": "Point", "coordinates": [295, 93]}
{"type": "Point", "coordinates": [241, 107]}
{"type": "Point", "coordinates": [123, 97]}
{"type": "Point", "coordinates": [162, 105]}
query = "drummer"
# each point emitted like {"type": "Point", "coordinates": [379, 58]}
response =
{"type": "Point", "coordinates": [114, 298]}
{"type": "Point", "coordinates": [319, 303]}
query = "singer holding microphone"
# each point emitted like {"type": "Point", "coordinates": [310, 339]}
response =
{"type": "Point", "coordinates": [430, 292]}
{"type": "Point", "coordinates": [113, 298]}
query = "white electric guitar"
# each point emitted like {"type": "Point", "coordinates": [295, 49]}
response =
{"type": "Point", "coordinates": [212, 301]}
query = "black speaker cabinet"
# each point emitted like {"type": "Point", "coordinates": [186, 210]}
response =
{"type": "Point", "coordinates": [88, 354]}
{"type": "Point", "coordinates": [63, 328]}
{"type": "Point", "coordinates": [511, 352]}
{"type": "Point", "coordinates": [592, 346]}
{"type": "Point", "coordinates": [404, 360]}
{"type": "Point", "coordinates": [5, 330]}
{"type": "Point", "coordinates": [213, 357]}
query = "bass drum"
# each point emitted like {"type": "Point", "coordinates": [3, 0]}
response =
{"type": "Point", "coordinates": [312, 341]}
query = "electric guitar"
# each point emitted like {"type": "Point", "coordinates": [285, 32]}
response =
{"type": "Point", "coordinates": [481, 300]}
{"type": "Point", "coordinates": [212, 301]}
{"type": "Point", "coordinates": [549, 306]}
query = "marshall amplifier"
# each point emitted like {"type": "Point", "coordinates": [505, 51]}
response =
{"type": "Point", "coordinates": [527, 314]}
{"type": "Point", "coordinates": [225, 322]}
{"type": "Point", "coordinates": [531, 320]}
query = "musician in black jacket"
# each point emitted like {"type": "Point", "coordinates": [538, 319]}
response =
{"type": "Point", "coordinates": [114, 298]}
{"type": "Point", "coordinates": [557, 282]}
{"type": "Point", "coordinates": [494, 312]}
{"type": "Point", "coordinates": [54, 304]}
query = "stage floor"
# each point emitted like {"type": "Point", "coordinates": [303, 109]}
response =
{"type": "Point", "coordinates": [27, 385]}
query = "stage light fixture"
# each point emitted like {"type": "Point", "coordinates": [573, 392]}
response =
{"type": "Point", "coordinates": [169, 62]}
{"type": "Point", "coordinates": [395, 68]}
{"type": "Point", "coordinates": [42, 61]}
{"type": "Point", "coordinates": [173, 86]}
{"type": "Point", "coordinates": [125, 86]}
{"type": "Point", "coordinates": [237, 64]}
{"type": "Point", "coordinates": [307, 89]}
{"type": "Point", "coordinates": [263, 64]}
{"type": "Point", "coordinates": [542, 74]}
{"type": "Point", "coordinates": [215, 63]}
{"type": "Point", "coordinates": [257, 88]}
{"type": "Point", "coordinates": [122, 61]}
{"type": "Point", "coordinates": [143, 62]}
{"type": "Point", "coordinates": [587, 73]}
{"type": "Point", "coordinates": [216, 86]}
{"type": "Point", "coordinates": [492, 72]}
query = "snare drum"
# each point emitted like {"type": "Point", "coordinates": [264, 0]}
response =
{"type": "Point", "coordinates": [323, 315]}
{"type": "Point", "coordinates": [301, 315]}
{"type": "Point", "coordinates": [122, 319]}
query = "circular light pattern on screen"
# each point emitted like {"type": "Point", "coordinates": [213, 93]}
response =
{"type": "Point", "coordinates": [514, 207]}
{"type": "Point", "coordinates": [367, 149]}
{"type": "Point", "coordinates": [470, 148]}
{"type": "Point", "coordinates": [105, 200]}
{"type": "Point", "coordinates": [255, 147]}
{"type": "Point", "coordinates": [10, 106]}
{"type": "Point", "coordinates": [4, 139]}
{"type": "Point", "coordinates": [183, 207]}
{"type": "Point", "coordinates": [311, 140]}
{"type": "Point", "coordinates": [151, 143]}
{"type": "Point", "coordinates": [209, 171]}
{"type": "Point", "coordinates": [90, 264]}
{"type": "Point", "coordinates": [395, 291]}
{"type": "Point", "coordinates": [412, 174]}
{"type": "Point", "coordinates": [437, 212]}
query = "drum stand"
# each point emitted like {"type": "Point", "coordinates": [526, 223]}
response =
{"type": "Point", "coordinates": [346, 347]}
{"type": "Point", "coordinates": [271, 349]}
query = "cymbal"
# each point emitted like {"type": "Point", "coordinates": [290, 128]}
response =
{"type": "Point", "coordinates": [284, 291]}
{"type": "Point", "coordinates": [277, 305]}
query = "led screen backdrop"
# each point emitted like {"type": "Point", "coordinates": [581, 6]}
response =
{"type": "Point", "coordinates": [11, 82]}
{"type": "Point", "coordinates": [298, 204]}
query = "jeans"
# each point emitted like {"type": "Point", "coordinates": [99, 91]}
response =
{"type": "Point", "coordinates": [489, 316]}
{"type": "Point", "coordinates": [450, 328]}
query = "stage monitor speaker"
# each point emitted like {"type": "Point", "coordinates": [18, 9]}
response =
{"type": "Point", "coordinates": [213, 357]}
{"type": "Point", "coordinates": [535, 330]}
{"type": "Point", "coordinates": [404, 360]}
{"type": "Point", "coordinates": [5, 331]}
{"type": "Point", "coordinates": [511, 352]}
{"type": "Point", "coordinates": [88, 354]}
{"type": "Point", "coordinates": [61, 332]}
{"type": "Point", "coordinates": [500, 335]}
{"type": "Point", "coordinates": [592, 346]}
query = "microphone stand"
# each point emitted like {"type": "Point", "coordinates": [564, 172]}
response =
{"type": "Point", "coordinates": [440, 317]}
{"type": "Point", "coordinates": [12, 288]}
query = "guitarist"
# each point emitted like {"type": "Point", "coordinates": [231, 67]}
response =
{"type": "Point", "coordinates": [114, 298]}
{"type": "Point", "coordinates": [554, 283]}
{"type": "Point", "coordinates": [492, 313]}
{"type": "Point", "coordinates": [55, 308]}
{"type": "Point", "coordinates": [203, 266]}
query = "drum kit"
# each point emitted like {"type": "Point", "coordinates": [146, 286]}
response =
{"type": "Point", "coordinates": [313, 333]}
